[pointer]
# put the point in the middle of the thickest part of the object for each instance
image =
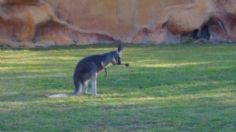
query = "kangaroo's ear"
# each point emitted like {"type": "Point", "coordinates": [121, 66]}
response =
{"type": "Point", "coordinates": [120, 47]}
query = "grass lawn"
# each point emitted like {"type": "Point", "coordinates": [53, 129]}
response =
{"type": "Point", "coordinates": [186, 87]}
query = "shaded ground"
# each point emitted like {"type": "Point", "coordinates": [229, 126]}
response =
{"type": "Point", "coordinates": [167, 88]}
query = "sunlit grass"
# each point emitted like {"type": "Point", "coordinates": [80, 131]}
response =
{"type": "Point", "coordinates": [166, 88]}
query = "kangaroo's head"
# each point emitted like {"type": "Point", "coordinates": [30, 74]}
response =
{"type": "Point", "coordinates": [116, 58]}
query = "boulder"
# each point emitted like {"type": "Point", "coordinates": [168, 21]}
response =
{"type": "Point", "coordinates": [30, 23]}
{"type": "Point", "coordinates": [202, 19]}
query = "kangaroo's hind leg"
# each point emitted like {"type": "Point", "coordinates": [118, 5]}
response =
{"type": "Point", "coordinates": [90, 73]}
{"type": "Point", "coordinates": [85, 87]}
{"type": "Point", "coordinates": [94, 84]}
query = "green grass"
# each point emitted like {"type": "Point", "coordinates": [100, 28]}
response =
{"type": "Point", "coordinates": [167, 88]}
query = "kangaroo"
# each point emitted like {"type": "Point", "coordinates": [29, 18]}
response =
{"type": "Point", "coordinates": [88, 68]}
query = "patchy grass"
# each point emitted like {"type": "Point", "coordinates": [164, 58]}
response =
{"type": "Point", "coordinates": [167, 88]}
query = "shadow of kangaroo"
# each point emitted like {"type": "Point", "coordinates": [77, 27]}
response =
{"type": "Point", "coordinates": [88, 68]}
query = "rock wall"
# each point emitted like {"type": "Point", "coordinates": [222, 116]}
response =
{"type": "Point", "coordinates": [32, 23]}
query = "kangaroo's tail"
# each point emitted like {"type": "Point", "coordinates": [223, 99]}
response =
{"type": "Point", "coordinates": [76, 92]}
{"type": "Point", "coordinates": [77, 84]}
{"type": "Point", "coordinates": [59, 95]}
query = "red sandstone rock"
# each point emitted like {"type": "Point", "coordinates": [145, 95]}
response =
{"type": "Point", "coordinates": [32, 23]}
{"type": "Point", "coordinates": [25, 21]}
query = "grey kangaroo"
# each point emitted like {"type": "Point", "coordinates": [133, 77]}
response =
{"type": "Point", "coordinates": [88, 68]}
